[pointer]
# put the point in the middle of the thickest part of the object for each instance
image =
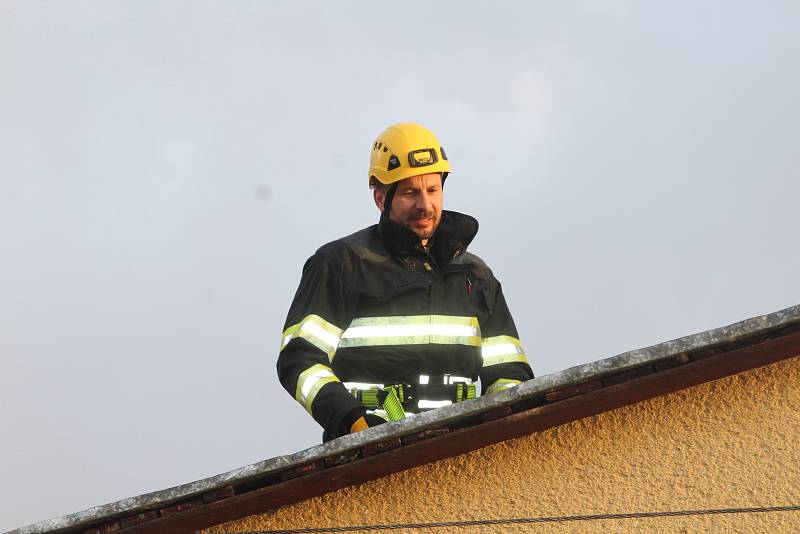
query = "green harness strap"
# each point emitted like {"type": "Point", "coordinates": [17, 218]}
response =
{"type": "Point", "coordinates": [394, 409]}
{"type": "Point", "coordinates": [469, 389]}
{"type": "Point", "coordinates": [392, 395]}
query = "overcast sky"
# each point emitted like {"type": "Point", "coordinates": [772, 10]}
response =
{"type": "Point", "coordinates": [167, 167]}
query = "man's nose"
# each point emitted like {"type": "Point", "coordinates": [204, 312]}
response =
{"type": "Point", "coordinates": [425, 202]}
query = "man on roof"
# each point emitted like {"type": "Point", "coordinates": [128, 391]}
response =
{"type": "Point", "coordinates": [399, 318]}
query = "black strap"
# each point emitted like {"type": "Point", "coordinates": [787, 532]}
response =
{"type": "Point", "coordinates": [387, 202]}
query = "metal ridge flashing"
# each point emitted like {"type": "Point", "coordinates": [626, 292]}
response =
{"type": "Point", "coordinates": [761, 324]}
{"type": "Point", "coordinates": [438, 418]}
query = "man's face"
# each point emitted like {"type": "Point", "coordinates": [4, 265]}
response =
{"type": "Point", "coordinates": [417, 204]}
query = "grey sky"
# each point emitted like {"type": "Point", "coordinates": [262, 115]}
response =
{"type": "Point", "coordinates": [166, 169]}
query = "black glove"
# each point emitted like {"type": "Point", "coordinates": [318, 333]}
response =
{"type": "Point", "coordinates": [366, 421]}
{"type": "Point", "coordinates": [351, 423]}
{"type": "Point", "coordinates": [359, 419]}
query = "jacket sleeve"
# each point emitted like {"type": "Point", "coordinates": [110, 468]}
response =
{"type": "Point", "coordinates": [311, 334]}
{"type": "Point", "coordinates": [504, 362]}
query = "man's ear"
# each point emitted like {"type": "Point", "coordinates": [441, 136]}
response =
{"type": "Point", "coordinates": [378, 197]}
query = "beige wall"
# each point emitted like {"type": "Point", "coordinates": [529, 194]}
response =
{"type": "Point", "coordinates": [730, 443]}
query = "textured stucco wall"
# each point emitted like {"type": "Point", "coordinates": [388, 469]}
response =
{"type": "Point", "coordinates": [731, 443]}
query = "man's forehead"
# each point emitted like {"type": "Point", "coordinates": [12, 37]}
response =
{"type": "Point", "coordinates": [422, 181]}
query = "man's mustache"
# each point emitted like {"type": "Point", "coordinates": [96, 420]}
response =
{"type": "Point", "coordinates": [424, 215]}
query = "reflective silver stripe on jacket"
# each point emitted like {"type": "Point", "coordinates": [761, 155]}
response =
{"type": "Point", "coordinates": [310, 382]}
{"type": "Point", "coordinates": [431, 404]}
{"type": "Point", "coordinates": [448, 379]}
{"type": "Point", "coordinates": [412, 330]}
{"type": "Point", "coordinates": [423, 380]}
{"type": "Point", "coordinates": [362, 385]}
{"type": "Point", "coordinates": [500, 385]}
{"type": "Point", "coordinates": [501, 349]}
{"type": "Point", "coordinates": [382, 413]}
{"type": "Point", "coordinates": [317, 331]}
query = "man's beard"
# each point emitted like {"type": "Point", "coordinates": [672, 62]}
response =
{"type": "Point", "coordinates": [424, 233]}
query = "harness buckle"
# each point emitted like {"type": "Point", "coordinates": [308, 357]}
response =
{"type": "Point", "coordinates": [397, 400]}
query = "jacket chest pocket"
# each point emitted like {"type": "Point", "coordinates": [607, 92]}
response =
{"type": "Point", "coordinates": [480, 289]}
{"type": "Point", "coordinates": [463, 293]}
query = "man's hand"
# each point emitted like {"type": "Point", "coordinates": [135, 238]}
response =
{"type": "Point", "coordinates": [365, 422]}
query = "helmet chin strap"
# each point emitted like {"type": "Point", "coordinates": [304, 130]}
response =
{"type": "Point", "coordinates": [387, 202]}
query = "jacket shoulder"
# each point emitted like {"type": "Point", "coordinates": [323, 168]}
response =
{"type": "Point", "coordinates": [358, 246]}
{"type": "Point", "coordinates": [335, 250]}
{"type": "Point", "coordinates": [366, 245]}
{"type": "Point", "coordinates": [475, 263]}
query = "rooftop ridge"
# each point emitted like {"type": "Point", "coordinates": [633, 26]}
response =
{"type": "Point", "coordinates": [553, 387]}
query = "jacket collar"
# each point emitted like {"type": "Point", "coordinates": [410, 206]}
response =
{"type": "Point", "coordinates": [456, 231]}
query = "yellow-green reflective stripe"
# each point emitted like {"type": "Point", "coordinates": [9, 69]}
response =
{"type": "Point", "coordinates": [310, 382]}
{"type": "Point", "coordinates": [501, 349]}
{"type": "Point", "coordinates": [412, 330]}
{"type": "Point", "coordinates": [414, 320]}
{"type": "Point", "coordinates": [502, 384]}
{"type": "Point", "coordinates": [316, 331]}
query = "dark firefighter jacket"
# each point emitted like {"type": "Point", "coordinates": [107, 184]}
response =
{"type": "Point", "coordinates": [376, 307]}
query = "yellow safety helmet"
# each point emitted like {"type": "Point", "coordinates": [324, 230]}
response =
{"type": "Point", "coordinates": [404, 150]}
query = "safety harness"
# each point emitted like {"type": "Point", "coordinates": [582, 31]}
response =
{"type": "Point", "coordinates": [396, 401]}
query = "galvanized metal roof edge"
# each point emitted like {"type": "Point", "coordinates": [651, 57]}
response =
{"type": "Point", "coordinates": [424, 421]}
